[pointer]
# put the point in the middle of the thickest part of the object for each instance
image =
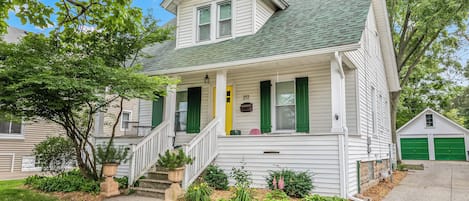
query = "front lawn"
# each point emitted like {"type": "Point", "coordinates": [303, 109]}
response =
{"type": "Point", "coordinates": [13, 190]}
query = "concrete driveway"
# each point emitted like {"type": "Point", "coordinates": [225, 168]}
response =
{"type": "Point", "coordinates": [440, 181]}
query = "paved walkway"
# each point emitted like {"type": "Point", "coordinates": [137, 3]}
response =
{"type": "Point", "coordinates": [16, 175]}
{"type": "Point", "coordinates": [440, 181]}
{"type": "Point", "coordinates": [131, 198]}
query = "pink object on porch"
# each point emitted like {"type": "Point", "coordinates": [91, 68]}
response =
{"type": "Point", "coordinates": [255, 131]}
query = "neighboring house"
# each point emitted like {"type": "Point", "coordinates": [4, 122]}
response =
{"type": "Point", "coordinates": [17, 139]}
{"type": "Point", "coordinates": [305, 82]}
{"type": "Point", "coordinates": [432, 136]}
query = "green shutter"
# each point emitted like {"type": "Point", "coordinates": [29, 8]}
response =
{"type": "Point", "coordinates": [266, 124]}
{"type": "Point", "coordinates": [157, 112]}
{"type": "Point", "coordinates": [193, 109]}
{"type": "Point", "coordinates": [302, 105]}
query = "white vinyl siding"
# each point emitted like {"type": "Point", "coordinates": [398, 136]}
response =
{"type": "Point", "coordinates": [263, 13]}
{"type": "Point", "coordinates": [370, 73]}
{"type": "Point", "coordinates": [315, 154]}
{"type": "Point", "coordinates": [144, 117]}
{"type": "Point", "coordinates": [243, 22]}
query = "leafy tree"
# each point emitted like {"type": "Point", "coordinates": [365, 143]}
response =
{"type": "Point", "coordinates": [86, 63]}
{"type": "Point", "coordinates": [421, 30]}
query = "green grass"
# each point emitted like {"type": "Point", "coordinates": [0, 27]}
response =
{"type": "Point", "coordinates": [11, 191]}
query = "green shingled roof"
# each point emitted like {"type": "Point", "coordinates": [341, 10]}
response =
{"type": "Point", "coordinates": [304, 25]}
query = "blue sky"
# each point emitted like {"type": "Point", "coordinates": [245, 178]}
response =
{"type": "Point", "coordinates": [158, 12]}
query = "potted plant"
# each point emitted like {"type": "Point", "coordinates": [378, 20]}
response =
{"type": "Point", "coordinates": [174, 162]}
{"type": "Point", "coordinates": [110, 157]}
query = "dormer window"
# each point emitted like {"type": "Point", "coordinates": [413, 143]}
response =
{"type": "Point", "coordinates": [203, 23]}
{"type": "Point", "coordinates": [224, 19]}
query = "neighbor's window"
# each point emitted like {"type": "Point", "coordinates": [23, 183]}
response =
{"type": "Point", "coordinates": [429, 120]}
{"type": "Point", "coordinates": [203, 23]}
{"type": "Point", "coordinates": [10, 127]}
{"type": "Point", "coordinates": [373, 109]}
{"type": "Point", "coordinates": [181, 111]}
{"type": "Point", "coordinates": [126, 117]}
{"type": "Point", "coordinates": [224, 19]}
{"type": "Point", "coordinates": [285, 105]}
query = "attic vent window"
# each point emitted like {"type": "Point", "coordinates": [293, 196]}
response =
{"type": "Point", "coordinates": [429, 120]}
{"type": "Point", "coordinates": [203, 23]}
{"type": "Point", "coordinates": [224, 19]}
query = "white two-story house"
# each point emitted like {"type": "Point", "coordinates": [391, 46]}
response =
{"type": "Point", "coordinates": [272, 84]}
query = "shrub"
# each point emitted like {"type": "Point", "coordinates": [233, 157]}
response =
{"type": "Point", "coordinates": [123, 182]}
{"type": "Point", "coordinates": [242, 193]}
{"type": "Point", "coordinates": [111, 155]}
{"type": "Point", "coordinates": [317, 197]}
{"type": "Point", "coordinates": [241, 176]}
{"type": "Point", "coordinates": [216, 178]}
{"type": "Point", "coordinates": [171, 160]}
{"type": "Point", "coordinates": [276, 195]}
{"type": "Point", "coordinates": [296, 184]}
{"type": "Point", "coordinates": [64, 182]}
{"type": "Point", "coordinates": [198, 192]}
{"type": "Point", "coordinates": [54, 154]}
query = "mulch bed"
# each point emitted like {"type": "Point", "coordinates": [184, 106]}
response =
{"type": "Point", "coordinates": [259, 194]}
{"type": "Point", "coordinates": [378, 192]}
{"type": "Point", "coordinates": [70, 196]}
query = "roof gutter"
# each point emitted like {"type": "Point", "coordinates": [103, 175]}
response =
{"type": "Point", "coordinates": [240, 63]}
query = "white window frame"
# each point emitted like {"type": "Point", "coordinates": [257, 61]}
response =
{"type": "Point", "coordinates": [176, 111]}
{"type": "Point", "coordinates": [221, 20]}
{"type": "Point", "coordinates": [122, 120]}
{"type": "Point", "coordinates": [10, 135]}
{"type": "Point", "coordinates": [213, 22]}
{"type": "Point", "coordinates": [274, 104]}
{"type": "Point", "coordinates": [433, 121]}
{"type": "Point", "coordinates": [198, 23]}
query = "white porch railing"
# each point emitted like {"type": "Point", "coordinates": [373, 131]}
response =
{"type": "Point", "coordinates": [204, 149]}
{"type": "Point", "coordinates": [145, 154]}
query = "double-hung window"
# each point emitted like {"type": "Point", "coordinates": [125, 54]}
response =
{"type": "Point", "coordinates": [203, 23]}
{"type": "Point", "coordinates": [285, 106]}
{"type": "Point", "coordinates": [224, 19]}
{"type": "Point", "coordinates": [181, 111]}
{"type": "Point", "coordinates": [125, 120]}
{"type": "Point", "coordinates": [10, 127]}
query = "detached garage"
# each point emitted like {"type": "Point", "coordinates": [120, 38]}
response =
{"type": "Point", "coordinates": [431, 136]}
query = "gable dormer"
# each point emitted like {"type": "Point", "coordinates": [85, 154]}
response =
{"type": "Point", "coordinates": [202, 22]}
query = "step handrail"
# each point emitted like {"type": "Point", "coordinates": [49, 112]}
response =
{"type": "Point", "coordinates": [204, 149]}
{"type": "Point", "coordinates": [146, 153]}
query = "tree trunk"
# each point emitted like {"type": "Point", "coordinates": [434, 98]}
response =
{"type": "Point", "coordinates": [394, 105]}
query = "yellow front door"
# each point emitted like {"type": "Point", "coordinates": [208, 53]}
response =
{"type": "Point", "coordinates": [229, 108]}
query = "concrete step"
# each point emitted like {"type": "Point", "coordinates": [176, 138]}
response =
{"type": "Point", "coordinates": [159, 175]}
{"type": "Point", "coordinates": [149, 192]}
{"type": "Point", "coordinates": [154, 183]}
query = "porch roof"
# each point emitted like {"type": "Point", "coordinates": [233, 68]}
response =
{"type": "Point", "coordinates": [305, 25]}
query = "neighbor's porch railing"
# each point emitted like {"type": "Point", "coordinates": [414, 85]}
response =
{"type": "Point", "coordinates": [145, 154]}
{"type": "Point", "coordinates": [204, 149]}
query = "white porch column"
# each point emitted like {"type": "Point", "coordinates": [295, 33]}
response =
{"type": "Point", "coordinates": [170, 106]}
{"type": "Point", "coordinates": [337, 94]}
{"type": "Point", "coordinates": [220, 103]}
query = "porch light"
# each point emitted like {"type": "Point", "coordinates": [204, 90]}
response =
{"type": "Point", "coordinates": [206, 79]}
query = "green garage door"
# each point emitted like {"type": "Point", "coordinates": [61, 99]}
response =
{"type": "Point", "coordinates": [414, 148]}
{"type": "Point", "coordinates": [450, 149]}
